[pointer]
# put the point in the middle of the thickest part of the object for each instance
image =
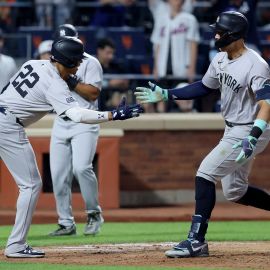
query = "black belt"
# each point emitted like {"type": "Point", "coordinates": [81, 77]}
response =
{"type": "Point", "coordinates": [4, 111]}
{"type": "Point", "coordinates": [230, 124]}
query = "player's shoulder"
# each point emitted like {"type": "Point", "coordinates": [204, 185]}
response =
{"type": "Point", "coordinates": [90, 61]}
{"type": "Point", "coordinates": [219, 57]}
{"type": "Point", "coordinates": [6, 59]}
{"type": "Point", "coordinates": [255, 57]}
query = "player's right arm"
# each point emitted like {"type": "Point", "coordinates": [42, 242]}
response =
{"type": "Point", "coordinates": [122, 112]}
{"type": "Point", "coordinates": [155, 93]}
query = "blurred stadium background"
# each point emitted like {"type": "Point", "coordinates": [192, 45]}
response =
{"type": "Point", "coordinates": [153, 159]}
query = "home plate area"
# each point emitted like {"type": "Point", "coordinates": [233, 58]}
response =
{"type": "Point", "coordinates": [230, 255]}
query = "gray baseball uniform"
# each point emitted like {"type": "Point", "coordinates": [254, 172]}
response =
{"type": "Point", "coordinates": [72, 149]}
{"type": "Point", "coordinates": [238, 80]}
{"type": "Point", "coordinates": [33, 91]}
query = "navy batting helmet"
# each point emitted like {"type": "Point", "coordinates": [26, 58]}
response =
{"type": "Point", "coordinates": [68, 51]}
{"type": "Point", "coordinates": [232, 26]}
{"type": "Point", "coordinates": [65, 30]}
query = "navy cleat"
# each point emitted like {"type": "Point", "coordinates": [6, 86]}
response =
{"type": "Point", "coordinates": [195, 245]}
{"type": "Point", "coordinates": [28, 252]}
{"type": "Point", "coordinates": [188, 248]}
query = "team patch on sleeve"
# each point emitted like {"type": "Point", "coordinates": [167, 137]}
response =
{"type": "Point", "coordinates": [70, 99]}
{"type": "Point", "coordinates": [264, 93]}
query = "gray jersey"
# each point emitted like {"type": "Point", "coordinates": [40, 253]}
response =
{"type": "Point", "coordinates": [238, 80]}
{"type": "Point", "coordinates": [89, 72]}
{"type": "Point", "coordinates": [35, 90]}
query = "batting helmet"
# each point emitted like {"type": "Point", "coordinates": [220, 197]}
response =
{"type": "Point", "coordinates": [232, 25]}
{"type": "Point", "coordinates": [65, 30]}
{"type": "Point", "coordinates": [68, 51]}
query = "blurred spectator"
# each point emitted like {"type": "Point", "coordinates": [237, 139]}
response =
{"type": "Point", "coordinates": [7, 64]}
{"type": "Point", "coordinates": [158, 7]}
{"type": "Point", "coordinates": [249, 9]}
{"type": "Point", "coordinates": [44, 50]}
{"type": "Point", "coordinates": [53, 12]}
{"type": "Point", "coordinates": [111, 88]}
{"type": "Point", "coordinates": [7, 20]}
{"type": "Point", "coordinates": [118, 13]}
{"type": "Point", "coordinates": [175, 40]}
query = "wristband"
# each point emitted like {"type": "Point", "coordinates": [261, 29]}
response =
{"type": "Point", "coordinates": [258, 128]}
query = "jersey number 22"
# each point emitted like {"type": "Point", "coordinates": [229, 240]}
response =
{"type": "Point", "coordinates": [28, 78]}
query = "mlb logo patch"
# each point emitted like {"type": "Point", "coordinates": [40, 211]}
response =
{"type": "Point", "coordinates": [70, 99]}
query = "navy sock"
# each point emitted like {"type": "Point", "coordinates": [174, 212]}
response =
{"type": "Point", "coordinates": [205, 196]}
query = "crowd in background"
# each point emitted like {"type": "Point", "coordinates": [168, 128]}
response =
{"type": "Point", "coordinates": [172, 27]}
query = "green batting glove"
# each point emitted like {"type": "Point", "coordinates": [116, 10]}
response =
{"type": "Point", "coordinates": [151, 95]}
{"type": "Point", "coordinates": [248, 146]}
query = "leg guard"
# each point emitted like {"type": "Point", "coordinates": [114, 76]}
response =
{"type": "Point", "coordinates": [205, 196]}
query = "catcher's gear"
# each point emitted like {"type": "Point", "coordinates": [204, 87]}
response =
{"type": "Point", "coordinates": [124, 111]}
{"type": "Point", "coordinates": [151, 95]}
{"type": "Point", "coordinates": [232, 26]}
{"type": "Point", "coordinates": [248, 146]}
{"type": "Point", "coordinates": [68, 51]}
{"type": "Point", "coordinates": [72, 81]}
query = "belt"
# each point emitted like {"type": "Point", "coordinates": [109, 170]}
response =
{"type": "Point", "coordinates": [230, 124]}
{"type": "Point", "coordinates": [4, 111]}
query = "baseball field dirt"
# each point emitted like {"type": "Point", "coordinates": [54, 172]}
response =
{"type": "Point", "coordinates": [230, 255]}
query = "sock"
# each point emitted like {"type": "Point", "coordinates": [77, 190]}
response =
{"type": "Point", "coordinates": [205, 196]}
{"type": "Point", "coordinates": [256, 197]}
{"type": "Point", "coordinates": [198, 228]}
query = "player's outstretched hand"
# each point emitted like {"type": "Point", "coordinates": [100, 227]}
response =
{"type": "Point", "coordinates": [248, 146]}
{"type": "Point", "coordinates": [124, 111]}
{"type": "Point", "coordinates": [152, 94]}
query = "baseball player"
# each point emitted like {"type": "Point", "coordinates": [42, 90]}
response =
{"type": "Point", "coordinates": [73, 146]}
{"type": "Point", "coordinates": [239, 73]}
{"type": "Point", "coordinates": [35, 90]}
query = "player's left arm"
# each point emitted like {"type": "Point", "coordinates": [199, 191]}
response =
{"type": "Point", "coordinates": [263, 117]}
{"type": "Point", "coordinates": [87, 91]}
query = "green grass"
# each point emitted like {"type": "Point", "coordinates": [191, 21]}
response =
{"type": "Point", "coordinates": [146, 232]}
{"type": "Point", "coordinates": [116, 232]}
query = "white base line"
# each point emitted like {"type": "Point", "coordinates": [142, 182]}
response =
{"type": "Point", "coordinates": [112, 248]}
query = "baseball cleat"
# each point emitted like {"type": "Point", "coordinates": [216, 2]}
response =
{"type": "Point", "coordinates": [28, 252]}
{"type": "Point", "coordinates": [94, 223]}
{"type": "Point", "coordinates": [188, 248]}
{"type": "Point", "coordinates": [63, 230]}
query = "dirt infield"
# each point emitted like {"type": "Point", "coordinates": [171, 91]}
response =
{"type": "Point", "coordinates": [236, 255]}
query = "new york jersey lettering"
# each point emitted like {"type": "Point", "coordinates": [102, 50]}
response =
{"type": "Point", "coordinates": [228, 80]}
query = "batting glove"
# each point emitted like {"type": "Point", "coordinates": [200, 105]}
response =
{"type": "Point", "coordinates": [151, 95]}
{"type": "Point", "coordinates": [124, 111]}
{"type": "Point", "coordinates": [248, 146]}
{"type": "Point", "coordinates": [72, 82]}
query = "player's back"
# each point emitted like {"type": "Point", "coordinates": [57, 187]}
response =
{"type": "Point", "coordinates": [29, 92]}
